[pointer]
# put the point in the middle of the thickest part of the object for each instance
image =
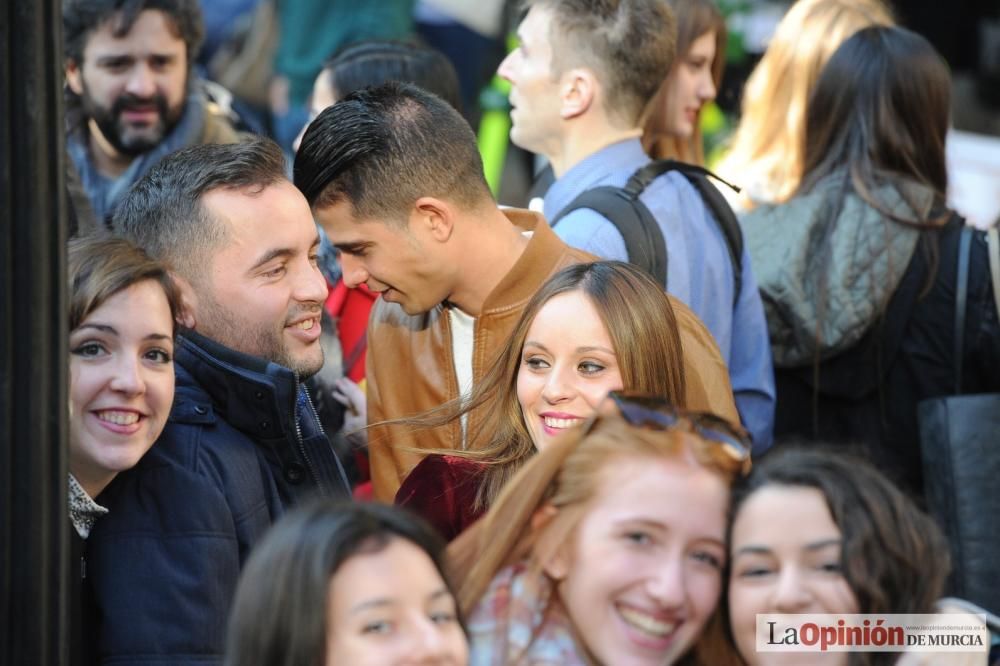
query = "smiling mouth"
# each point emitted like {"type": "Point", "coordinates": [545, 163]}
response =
{"type": "Point", "coordinates": [560, 424]}
{"type": "Point", "coordinates": [118, 417]}
{"type": "Point", "coordinates": [305, 325]}
{"type": "Point", "coordinates": [646, 623]}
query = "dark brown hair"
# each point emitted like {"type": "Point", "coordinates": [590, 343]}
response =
{"type": "Point", "coordinates": [880, 106]}
{"type": "Point", "coordinates": [99, 268]}
{"type": "Point", "coordinates": [384, 147]}
{"type": "Point", "coordinates": [280, 609]}
{"type": "Point", "coordinates": [894, 557]}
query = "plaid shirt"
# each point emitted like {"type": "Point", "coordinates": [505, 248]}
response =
{"type": "Point", "coordinates": [516, 623]}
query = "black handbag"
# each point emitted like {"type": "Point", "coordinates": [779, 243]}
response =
{"type": "Point", "coordinates": [960, 446]}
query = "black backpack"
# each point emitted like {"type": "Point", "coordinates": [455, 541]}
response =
{"type": "Point", "coordinates": [644, 240]}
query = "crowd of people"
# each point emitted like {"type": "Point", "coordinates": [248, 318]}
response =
{"type": "Point", "coordinates": [331, 402]}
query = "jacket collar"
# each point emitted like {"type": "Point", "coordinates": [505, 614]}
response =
{"type": "Point", "coordinates": [250, 393]}
{"type": "Point", "coordinates": [544, 252]}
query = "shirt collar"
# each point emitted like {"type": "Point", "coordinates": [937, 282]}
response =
{"type": "Point", "coordinates": [83, 510]}
{"type": "Point", "coordinates": [590, 171]}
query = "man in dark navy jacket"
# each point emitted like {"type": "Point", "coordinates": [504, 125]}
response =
{"type": "Point", "coordinates": [243, 442]}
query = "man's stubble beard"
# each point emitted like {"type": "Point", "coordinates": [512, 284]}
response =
{"type": "Point", "coordinates": [221, 324]}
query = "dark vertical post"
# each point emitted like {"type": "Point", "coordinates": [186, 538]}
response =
{"type": "Point", "coordinates": [33, 403]}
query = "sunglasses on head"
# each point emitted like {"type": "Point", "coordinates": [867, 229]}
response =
{"type": "Point", "coordinates": [729, 443]}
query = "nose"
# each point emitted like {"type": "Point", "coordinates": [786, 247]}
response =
{"type": "Point", "coordinates": [707, 90]}
{"type": "Point", "coordinates": [506, 68]}
{"type": "Point", "coordinates": [353, 270]}
{"type": "Point", "coordinates": [667, 584]}
{"type": "Point", "coordinates": [791, 594]}
{"type": "Point", "coordinates": [311, 287]}
{"type": "Point", "coordinates": [558, 387]}
{"type": "Point", "coordinates": [128, 377]}
{"type": "Point", "coordinates": [141, 82]}
{"type": "Point", "coordinates": [428, 644]}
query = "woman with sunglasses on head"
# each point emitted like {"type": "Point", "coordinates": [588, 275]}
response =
{"type": "Point", "coordinates": [592, 328]}
{"type": "Point", "coordinates": [817, 531]}
{"type": "Point", "coordinates": [343, 584]}
{"type": "Point", "coordinates": [122, 312]}
{"type": "Point", "coordinates": [608, 546]}
{"type": "Point", "coordinates": [671, 129]}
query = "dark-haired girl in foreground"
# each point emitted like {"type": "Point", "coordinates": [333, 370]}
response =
{"type": "Point", "coordinates": [346, 584]}
{"type": "Point", "coordinates": [815, 531]}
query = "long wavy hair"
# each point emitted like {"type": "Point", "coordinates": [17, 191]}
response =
{"type": "Point", "coordinates": [894, 557]}
{"type": "Point", "coordinates": [567, 476]}
{"type": "Point", "coordinates": [767, 150]}
{"type": "Point", "coordinates": [694, 19]}
{"type": "Point", "coordinates": [643, 330]}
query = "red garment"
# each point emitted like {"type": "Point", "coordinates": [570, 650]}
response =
{"type": "Point", "coordinates": [350, 309]}
{"type": "Point", "coordinates": [442, 490]}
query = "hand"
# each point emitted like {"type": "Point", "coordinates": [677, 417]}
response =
{"type": "Point", "coordinates": [277, 95]}
{"type": "Point", "coordinates": [350, 395]}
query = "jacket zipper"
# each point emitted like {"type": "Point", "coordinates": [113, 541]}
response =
{"type": "Point", "coordinates": [298, 434]}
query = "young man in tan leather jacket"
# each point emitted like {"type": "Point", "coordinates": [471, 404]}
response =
{"type": "Point", "coordinates": [394, 177]}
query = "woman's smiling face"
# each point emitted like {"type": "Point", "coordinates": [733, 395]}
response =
{"type": "Point", "coordinates": [568, 365]}
{"type": "Point", "coordinates": [642, 572]}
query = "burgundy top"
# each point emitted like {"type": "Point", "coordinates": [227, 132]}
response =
{"type": "Point", "coordinates": [442, 490]}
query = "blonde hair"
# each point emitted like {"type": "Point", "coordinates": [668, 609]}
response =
{"type": "Point", "coordinates": [643, 330]}
{"type": "Point", "coordinates": [694, 19]}
{"type": "Point", "coordinates": [768, 149]}
{"type": "Point", "coordinates": [566, 475]}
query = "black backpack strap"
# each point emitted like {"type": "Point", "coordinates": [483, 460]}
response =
{"type": "Point", "coordinates": [721, 211]}
{"type": "Point", "coordinates": [644, 240]}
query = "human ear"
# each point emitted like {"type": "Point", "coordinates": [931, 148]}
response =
{"type": "Point", "coordinates": [74, 76]}
{"type": "Point", "coordinates": [555, 557]}
{"type": "Point", "coordinates": [579, 87]}
{"type": "Point", "coordinates": [189, 302]}
{"type": "Point", "coordinates": [435, 216]}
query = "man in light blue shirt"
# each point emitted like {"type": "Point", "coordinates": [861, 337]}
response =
{"type": "Point", "coordinates": [580, 80]}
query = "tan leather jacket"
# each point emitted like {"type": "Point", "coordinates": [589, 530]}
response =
{"type": "Point", "coordinates": [410, 368]}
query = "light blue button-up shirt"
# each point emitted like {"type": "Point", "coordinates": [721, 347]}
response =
{"type": "Point", "coordinates": [699, 270]}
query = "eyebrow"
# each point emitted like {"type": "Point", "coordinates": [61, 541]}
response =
{"type": "Point", "coordinates": [382, 602]}
{"type": "Point", "coordinates": [107, 328]}
{"type": "Point", "coordinates": [353, 247]}
{"type": "Point", "coordinates": [579, 350]}
{"type": "Point", "coordinates": [764, 550]}
{"type": "Point", "coordinates": [271, 255]}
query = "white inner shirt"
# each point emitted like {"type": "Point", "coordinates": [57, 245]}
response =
{"type": "Point", "coordinates": [463, 328]}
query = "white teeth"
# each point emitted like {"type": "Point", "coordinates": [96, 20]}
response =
{"type": "Point", "coordinates": [560, 423]}
{"type": "Point", "coordinates": [118, 418]}
{"type": "Point", "coordinates": [306, 325]}
{"type": "Point", "coordinates": [647, 623]}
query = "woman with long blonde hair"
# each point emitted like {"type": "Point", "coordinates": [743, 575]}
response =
{"type": "Point", "coordinates": [767, 157]}
{"type": "Point", "coordinates": [609, 545]}
{"type": "Point", "coordinates": [590, 329]}
{"type": "Point", "coordinates": [671, 129]}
